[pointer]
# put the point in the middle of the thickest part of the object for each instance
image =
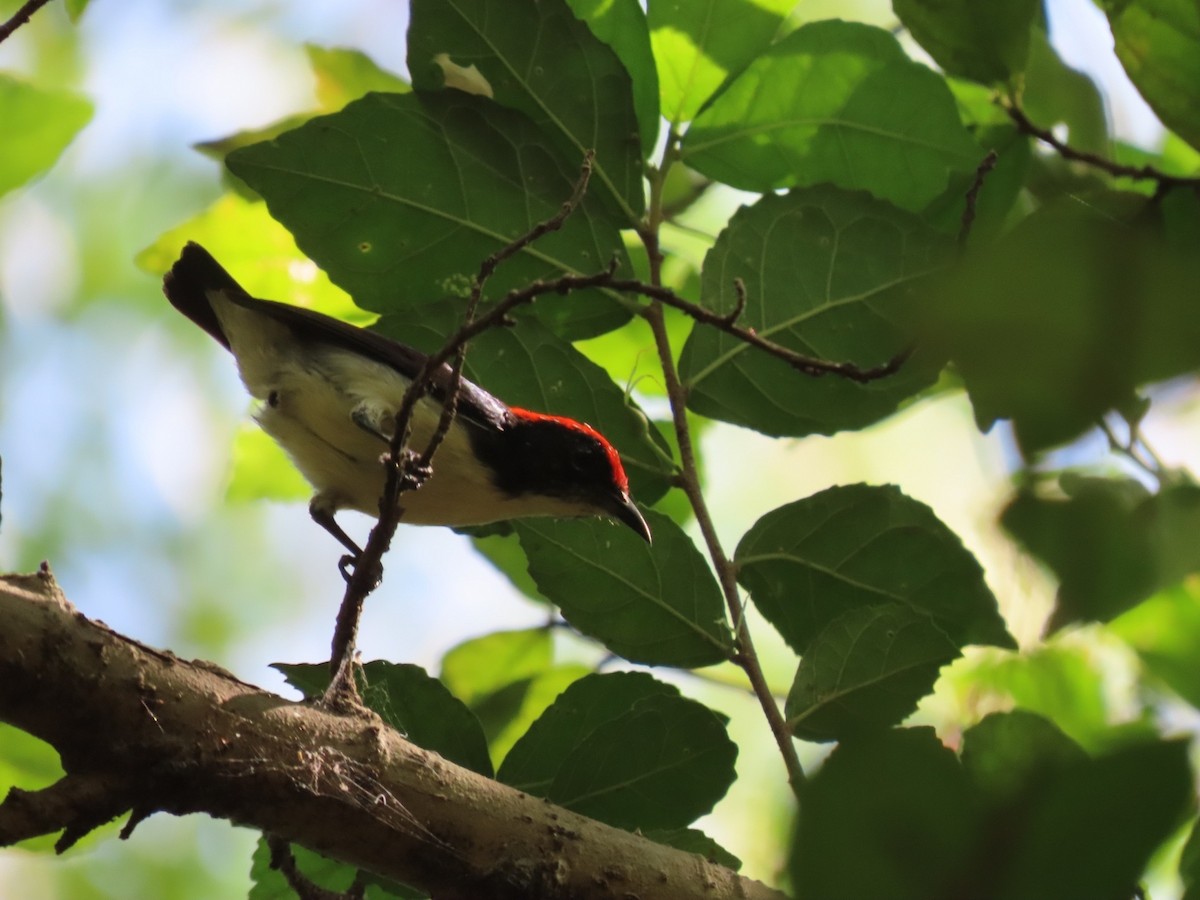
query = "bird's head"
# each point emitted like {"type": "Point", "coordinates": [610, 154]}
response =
{"type": "Point", "coordinates": [557, 457]}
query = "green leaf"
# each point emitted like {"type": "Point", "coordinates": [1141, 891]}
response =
{"type": "Point", "coordinates": [866, 670]}
{"type": "Point", "coordinates": [530, 367]}
{"type": "Point", "coordinates": [260, 253]}
{"type": "Point", "coordinates": [892, 815]}
{"type": "Point", "coordinates": [658, 605]}
{"type": "Point", "coordinates": [38, 124]}
{"type": "Point", "coordinates": [698, 44]}
{"type": "Point", "coordinates": [808, 562]}
{"type": "Point", "coordinates": [622, 25]}
{"type": "Point", "coordinates": [1165, 632]}
{"type": "Point", "coordinates": [626, 750]}
{"type": "Point", "coordinates": [343, 75]}
{"type": "Point", "coordinates": [828, 274]}
{"type": "Point", "coordinates": [262, 471]}
{"type": "Point", "coordinates": [1146, 787]}
{"type": "Point", "coordinates": [401, 230]}
{"type": "Point", "coordinates": [409, 700]}
{"type": "Point", "coordinates": [568, 722]}
{"type": "Point", "coordinates": [1012, 756]}
{"type": "Point", "coordinates": [1189, 864]}
{"type": "Point", "coordinates": [507, 714]}
{"type": "Point", "coordinates": [986, 42]}
{"type": "Point", "coordinates": [481, 666]}
{"type": "Point", "coordinates": [76, 9]}
{"type": "Point", "coordinates": [268, 883]}
{"type": "Point", "coordinates": [1108, 549]}
{"type": "Point", "coordinates": [1158, 43]}
{"type": "Point", "coordinates": [1055, 94]}
{"type": "Point", "coordinates": [1095, 299]}
{"type": "Point", "coordinates": [504, 552]}
{"type": "Point", "coordinates": [539, 59]}
{"type": "Point", "coordinates": [692, 840]}
{"type": "Point", "coordinates": [835, 102]}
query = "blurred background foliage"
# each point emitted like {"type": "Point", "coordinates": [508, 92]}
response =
{"type": "Point", "coordinates": [117, 417]}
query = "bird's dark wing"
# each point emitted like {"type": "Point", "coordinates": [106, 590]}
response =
{"type": "Point", "coordinates": [196, 273]}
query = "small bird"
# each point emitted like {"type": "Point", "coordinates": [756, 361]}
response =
{"type": "Point", "coordinates": [330, 392]}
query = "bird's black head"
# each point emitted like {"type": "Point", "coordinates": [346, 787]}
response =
{"type": "Point", "coordinates": [559, 457]}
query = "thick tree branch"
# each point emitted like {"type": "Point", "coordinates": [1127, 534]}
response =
{"type": "Point", "coordinates": [169, 735]}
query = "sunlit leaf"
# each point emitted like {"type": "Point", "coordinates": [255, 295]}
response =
{"type": "Point", "coordinates": [828, 274]}
{"type": "Point", "coordinates": [1165, 632]}
{"type": "Point", "coordinates": [808, 562]}
{"type": "Point", "coordinates": [343, 75]}
{"type": "Point", "coordinates": [1010, 756]}
{"type": "Point", "coordinates": [656, 604]}
{"type": "Point", "coordinates": [483, 665]}
{"type": "Point", "coordinates": [1158, 43]}
{"type": "Point", "coordinates": [38, 124]}
{"type": "Point", "coordinates": [835, 102]}
{"type": "Point", "coordinates": [697, 45]}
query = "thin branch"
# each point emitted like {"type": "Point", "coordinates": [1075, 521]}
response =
{"type": "Point", "coordinates": [689, 480]}
{"type": "Point", "coordinates": [406, 471]}
{"type": "Point", "coordinates": [972, 198]}
{"type": "Point", "coordinates": [20, 17]}
{"type": "Point", "coordinates": [1066, 151]}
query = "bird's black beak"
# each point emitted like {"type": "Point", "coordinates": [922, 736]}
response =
{"type": "Point", "coordinates": [624, 510]}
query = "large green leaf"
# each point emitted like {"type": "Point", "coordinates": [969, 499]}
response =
{"type": "Point", "coordinates": [1066, 845]}
{"type": "Point", "coordinates": [1158, 43]}
{"type": "Point", "coordinates": [627, 750]}
{"type": "Point", "coordinates": [834, 102]}
{"type": "Point", "coordinates": [658, 605]}
{"type": "Point", "coordinates": [1110, 545]}
{"type": "Point", "coordinates": [537, 58]}
{"type": "Point", "coordinates": [828, 274]}
{"type": "Point", "coordinates": [1090, 298]}
{"type": "Point", "coordinates": [866, 670]}
{"type": "Point", "coordinates": [400, 197]}
{"type": "Point", "coordinates": [889, 816]}
{"type": "Point", "coordinates": [698, 44]}
{"type": "Point", "coordinates": [409, 700]}
{"type": "Point", "coordinates": [986, 42]}
{"type": "Point", "coordinates": [483, 665]}
{"type": "Point", "coordinates": [38, 126]}
{"type": "Point", "coordinates": [1165, 632]}
{"type": "Point", "coordinates": [622, 25]}
{"type": "Point", "coordinates": [530, 367]}
{"type": "Point", "coordinates": [1009, 756]}
{"type": "Point", "coordinates": [857, 546]}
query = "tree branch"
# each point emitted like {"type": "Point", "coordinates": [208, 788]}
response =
{"type": "Point", "coordinates": [20, 17]}
{"type": "Point", "coordinates": [169, 735]}
{"type": "Point", "coordinates": [1066, 151]}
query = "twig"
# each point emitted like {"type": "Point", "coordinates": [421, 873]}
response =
{"type": "Point", "coordinates": [689, 480]}
{"type": "Point", "coordinates": [1141, 173]}
{"type": "Point", "coordinates": [972, 198]}
{"type": "Point", "coordinates": [405, 471]}
{"type": "Point", "coordinates": [20, 17]}
{"type": "Point", "coordinates": [284, 861]}
{"type": "Point", "coordinates": [809, 365]}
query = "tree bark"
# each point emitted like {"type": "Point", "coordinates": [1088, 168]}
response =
{"type": "Point", "coordinates": [139, 729]}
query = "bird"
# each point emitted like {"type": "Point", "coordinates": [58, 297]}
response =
{"type": "Point", "coordinates": [328, 394]}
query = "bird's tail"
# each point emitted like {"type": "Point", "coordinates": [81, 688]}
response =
{"type": "Point", "coordinates": [193, 277]}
